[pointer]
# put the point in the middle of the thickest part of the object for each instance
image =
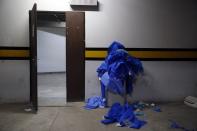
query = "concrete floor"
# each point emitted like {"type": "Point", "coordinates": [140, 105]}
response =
{"type": "Point", "coordinates": [51, 89]}
{"type": "Point", "coordinates": [74, 118]}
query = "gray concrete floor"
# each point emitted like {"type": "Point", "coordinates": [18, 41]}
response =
{"type": "Point", "coordinates": [74, 118]}
{"type": "Point", "coordinates": [52, 89]}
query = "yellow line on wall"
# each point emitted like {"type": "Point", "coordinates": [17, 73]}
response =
{"type": "Point", "coordinates": [102, 54]}
{"type": "Point", "coordinates": [164, 54]}
{"type": "Point", "coordinates": [14, 53]}
{"type": "Point", "coordinates": [95, 54]}
{"type": "Point", "coordinates": [147, 54]}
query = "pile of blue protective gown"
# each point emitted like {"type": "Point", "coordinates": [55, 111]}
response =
{"type": "Point", "coordinates": [124, 116]}
{"type": "Point", "coordinates": [118, 70]}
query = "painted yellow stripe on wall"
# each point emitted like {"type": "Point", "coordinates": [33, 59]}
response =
{"type": "Point", "coordinates": [164, 54]}
{"type": "Point", "coordinates": [147, 54]}
{"type": "Point", "coordinates": [103, 54]}
{"type": "Point", "coordinates": [14, 53]}
{"type": "Point", "coordinates": [95, 54]}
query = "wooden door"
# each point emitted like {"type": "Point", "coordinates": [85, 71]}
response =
{"type": "Point", "coordinates": [75, 56]}
{"type": "Point", "coordinates": [33, 57]}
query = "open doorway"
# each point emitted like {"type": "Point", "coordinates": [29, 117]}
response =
{"type": "Point", "coordinates": [51, 60]}
{"type": "Point", "coordinates": [75, 51]}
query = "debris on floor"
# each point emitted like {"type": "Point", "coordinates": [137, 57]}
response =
{"type": "Point", "coordinates": [139, 113]}
{"type": "Point", "coordinates": [127, 115]}
{"type": "Point", "coordinates": [152, 104]}
{"type": "Point", "coordinates": [124, 116]}
{"type": "Point", "coordinates": [95, 102]}
{"type": "Point", "coordinates": [157, 109]}
{"type": "Point", "coordinates": [27, 109]}
{"type": "Point", "coordinates": [191, 101]}
{"type": "Point", "coordinates": [176, 125]}
{"type": "Point", "coordinates": [140, 105]}
{"type": "Point", "coordinates": [117, 74]}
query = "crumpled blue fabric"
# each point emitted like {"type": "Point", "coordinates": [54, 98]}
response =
{"type": "Point", "coordinates": [105, 79]}
{"type": "Point", "coordinates": [95, 102]}
{"type": "Point", "coordinates": [102, 69]}
{"type": "Point", "coordinates": [116, 86]}
{"type": "Point", "coordinates": [122, 69]}
{"type": "Point", "coordinates": [157, 109]}
{"type": "Point", "coordinates": [115, 46]}
{"type": "Point", "coordinates": [178, 126]}
{"type": "Point", "coordinates": [103, 93]}
{"type": "Point", "coordinates": [124, 115]}
{"type": "Point", "coordinates": [113, 114]}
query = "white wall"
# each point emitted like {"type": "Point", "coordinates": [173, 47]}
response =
{"type": "Point", "coordinates": [161, 81]}
{"type": "Point", "coordinates": [15, 16]}
{"type": "Point", "coordinates": [14, 81]}
{"type": "Point", "coordinates": [136, 23]}
{"type": "Point", "coordinates": [143, 23]}
{"type": "Point", "coordinates": [51, 50]}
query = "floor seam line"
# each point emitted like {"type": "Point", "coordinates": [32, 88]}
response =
{"type": "Point", "coordinates": [54, 120]}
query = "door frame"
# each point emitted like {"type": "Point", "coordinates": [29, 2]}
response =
{"type": "Point", "coordinates": [33, 92]}
{"type": "Point", "coordinates": [33, 58]}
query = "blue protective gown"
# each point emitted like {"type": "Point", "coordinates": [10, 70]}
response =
{"type": "Point", "coordinates": [121, 70]}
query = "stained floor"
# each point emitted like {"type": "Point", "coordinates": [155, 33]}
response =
{"type": "Point", "coordinates": [74, 118]}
